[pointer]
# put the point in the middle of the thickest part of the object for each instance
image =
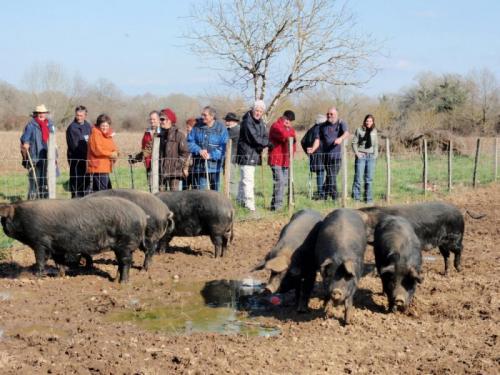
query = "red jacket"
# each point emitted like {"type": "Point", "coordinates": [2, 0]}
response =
{"type": "Point", "coordinates": [278, 137]}
{"type": "Point", "coordinates": [147, 147]}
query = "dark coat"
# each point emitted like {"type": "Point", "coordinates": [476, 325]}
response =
{"type": "Point", "coordinates": [77, 137]}
{"type": "Point", "coordinates": [234, 136]}
{"type": "Point", "coordinates": [253, 139]}
{"type": "Point", "coordinates": [174, 152]}
{"type": "Point", "coordinates": [316, 163]}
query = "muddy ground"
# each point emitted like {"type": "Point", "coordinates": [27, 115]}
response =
{"type": "Point", "coordinates": [62, 325]}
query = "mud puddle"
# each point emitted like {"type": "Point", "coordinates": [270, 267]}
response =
{"type": "Point", "coordinates": [218, 306]}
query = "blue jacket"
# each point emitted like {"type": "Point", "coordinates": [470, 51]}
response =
{"type": "Point", "coordinates": [213, 140]}
{"type": "Point", "coordinates": [32, 135]}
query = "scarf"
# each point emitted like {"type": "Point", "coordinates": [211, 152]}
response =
{"type": "Point", "coordinates": [367, 138]}
{"type": "Point", "coordinates": [44, 127]}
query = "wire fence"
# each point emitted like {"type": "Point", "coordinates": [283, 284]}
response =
{"type": "Point", "coordinates": [410, 177]}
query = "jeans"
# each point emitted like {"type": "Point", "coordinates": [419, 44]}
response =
{"type": "Point", "coordinates": [38, 184]}
{"type": "Point", "coordinates": [200, 181]}
{"type": "Point", "coordinates": [280, 179]}
{"type": "Point", "coordinates": [100, 181]}
{"type": "Point", "coordinates": [320, 182]}
{"type": "Point", "coordinates": [363, 167]}
{"type": "Point", "coordinates": [332, 166]}
{"type": "Point", "coordinates": [78, 178]}
{"type": "Point", "coordinates": [246, 195]}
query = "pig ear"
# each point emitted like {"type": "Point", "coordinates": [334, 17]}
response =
{"type": "Point", "coordinates": [414, 274]}
{"type": "Point", "coordinates": [7, 211]}
{"type": "Point", "coordinates": [325, 264]}
{"type": "Point", "coordinates": [259, 266]}
{"type": "Point", "coordinates": [349, 267]}
{"type": "Point", "coordinates": [278, 264]}
{"type": "Point", "coordinates": [388, 269]}
{"type": "Point", "coordinates": [171, 222]}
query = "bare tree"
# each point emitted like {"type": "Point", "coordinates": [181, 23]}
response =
{"type": "Point", "coordinates": [281, 47]}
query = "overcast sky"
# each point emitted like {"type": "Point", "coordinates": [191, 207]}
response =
{"type": "Point", "coordinates": [137, 44]}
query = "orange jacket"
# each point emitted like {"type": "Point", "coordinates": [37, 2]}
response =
{"type": "Point", "coordinates": [99, 151]}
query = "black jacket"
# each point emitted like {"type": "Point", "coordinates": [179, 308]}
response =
{"type": "Point", "coordinates": [253, 139]}
{"type": "Point", "coordinates": [77, 143]}
{"type": "Point", "coordinates": [234, 136]}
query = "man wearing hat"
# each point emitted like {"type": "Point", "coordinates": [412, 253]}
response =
{"type": "Point", "coordinates": [233, 128]}
{"type": "Point", "coordinates": [34, 151]}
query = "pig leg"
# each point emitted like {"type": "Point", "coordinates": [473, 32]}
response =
{"type": "Point", "coordinates": [40, 258]}
{"type": "Point", "coordinates": [445, 252]}
{"type": "Point", "coordinates": [225, 241]}
{"type": "Point", "coordinates": [458, 255]}
{"type": "Point", "coordinates": [348, 310]}
{"type": "Point", "coordinates": [217, 241]}
{"type": "Point", "coordinates": [148, 255]}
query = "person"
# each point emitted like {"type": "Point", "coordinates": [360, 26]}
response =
{"type": "Point", "coordinates": [279, 155]}
{"type": "Point", "coordinates": [328, 138]}
{"type": "Point", "coordinates": [102, 153]}
{"type": "Point", "coordinates": [253, 140]}
{"type": "Point", "coordinates": [365, 147]}
{"type": "Point", "coordinates": [174, 153]}
{"type": "Point", "coordinates": [34, 149]}
{"type": "Point", "coordinates": [77, 137]}
{"type": "Point", "coordinates": [187, 180]}
{"type": "Point", "coordinates": [233, 128]}
{"type": "Point", "coordinates": [315, 160]}
{"type": "Point", "coordinates": [147, 143]}
{"type": "Point", "coordinates": [207, 144]}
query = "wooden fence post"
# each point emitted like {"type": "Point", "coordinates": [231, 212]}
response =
{"type": "Point", "coordinates": [476, 160]}
{"type": "Point", "coordinates": [227, 167]}
{"type": "Point", "coordinates": [155, 165]}
{"type": "Point", "coordinates": [51, 167]}
{"type": "Point", "coordinates": [388, 174]}
{"type": "Point", "coordinates": [426, 166]}
{"type": "Point", "coordinates": [344, 173]}
{"type": "Point", "coordinates": [450, 165]}
{"type": "Point", "coordinates": [290, 176]}
{"type": "Point", "coordinates": [495, 161]}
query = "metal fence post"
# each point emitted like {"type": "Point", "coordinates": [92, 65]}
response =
{"type": "Point", "coordinates": [227, 167]}
{"type": "Point", "coordinates": [344, 173]}
{"type": "Point", "coordinates": [51, 167]}
{"type": "Point", "coordinates": [155, 165]}
{"type": "Point", "coordinates": [290, 175]}
{"type": "Point", "coordinates": [450, 165]}
{"type": "Point", "coordinates": [388, 160]}
{"type": "Point", "coordinates": [426, 166]}
{"type": "Point", "coordinates": [476, 160]}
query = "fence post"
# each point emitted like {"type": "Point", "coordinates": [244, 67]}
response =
{"type": "Point", "coordinates": [476, 159]}
{"type": "Point", "coordinates": [155, 165]}
{"type": "Point", "coordinates": [290, 176]}
{"type": "Point", "coordinates": [495, 161]}
{"type": "Point", "coordinates": [227, 167]}
{"type": "Point", "coordinates": [51, 167]}
{"type": "Point", "coordinates": [344, 173]}
{"type": "Point", "coordinates": [388, 174]}
{"type": "Point", "coordinates": [426, 166]}
{"type": "Point", "coordinates": [450, 166]}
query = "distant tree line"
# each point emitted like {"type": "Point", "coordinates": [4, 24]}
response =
{"type": "Point", "coordinates": [462, 105]}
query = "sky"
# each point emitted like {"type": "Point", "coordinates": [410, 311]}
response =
{"type": "Point", "coordinates": [138, 46]}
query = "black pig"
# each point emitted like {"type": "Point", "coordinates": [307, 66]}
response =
{"type": "Point", "coordinates": [339, 252]}
{"type": "Point", "coordinates": [292, 256]}
{"type": "Point", "coordinates": [436, 224]}
{"type": "Point", "coordinates": [63, 229]}
{"type": "Point", "coordinates": [200, 213]}
{"type": "Point", "coordinates": [398, 258]}
{"type": "Point", "coordinates": [160, 221]}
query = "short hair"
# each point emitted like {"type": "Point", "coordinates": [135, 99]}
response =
{"type": "Point", "coordinates": [81, 108]}
{"type": "Point", "coordinates": [259, 104]}
{"type": "Point", "coordinates": [191, 121]}
{"type": "Point", "coordinates": [102, 118]}
{"type": "Point", "coordinates": [154, 113]}
{"type": "Point", "coordinates": [290, 115]}
{"type": "Point", "coordinates": [210, 110]}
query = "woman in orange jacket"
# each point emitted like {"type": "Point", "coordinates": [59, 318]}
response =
{"type": "Point", "coordinates": [102, 153]}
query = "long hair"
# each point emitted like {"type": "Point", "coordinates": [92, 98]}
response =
{"type": "Point", "coordinates": [366, 118]}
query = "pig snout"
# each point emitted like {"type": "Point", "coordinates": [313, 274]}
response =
{"type": "Point", "coordinates": [337, 296]}
{"type": "Point", "coordinates": [400, 302]}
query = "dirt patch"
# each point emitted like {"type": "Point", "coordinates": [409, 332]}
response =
{"type": "Point", "coordinates": [62, 325]}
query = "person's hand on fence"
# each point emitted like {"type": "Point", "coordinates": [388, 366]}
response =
{"type": "Point", "coordinates": [204, 154]}
{"type": "Point", "coordinates": [114, 155]}
{"type": "Point", "coordinates": [309, 150]}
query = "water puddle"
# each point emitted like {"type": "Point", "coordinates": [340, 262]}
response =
{"type": "Point", "coordinates": [219, 306]}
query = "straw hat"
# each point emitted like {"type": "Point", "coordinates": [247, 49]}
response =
{"type": "Point", "coordinates": [41, 109]}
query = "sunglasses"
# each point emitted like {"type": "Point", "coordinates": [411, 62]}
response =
{"type": "Point", "coordinates": [163, 119]}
